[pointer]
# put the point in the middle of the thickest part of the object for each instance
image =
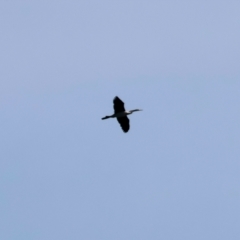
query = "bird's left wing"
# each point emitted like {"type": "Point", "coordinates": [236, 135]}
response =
{"type": "Point", "coordinates": [124, 122]}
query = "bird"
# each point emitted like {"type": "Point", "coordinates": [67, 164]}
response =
{"type": "Point", "coordinates": [121, 114]}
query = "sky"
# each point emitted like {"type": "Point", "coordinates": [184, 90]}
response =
{"type": "Point", "coordinates": [66, 174]}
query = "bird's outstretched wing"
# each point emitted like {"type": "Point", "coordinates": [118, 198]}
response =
{"type": "Point", "coordinates": [118, 105]}
{"type": "Point", "coordinates": [124, 122]}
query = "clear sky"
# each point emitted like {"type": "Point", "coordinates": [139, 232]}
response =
{"type": "Point", "coordinates": [66, 174]}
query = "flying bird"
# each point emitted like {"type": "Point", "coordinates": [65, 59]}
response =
{"type": "Point", "coordinates": [121, 114]}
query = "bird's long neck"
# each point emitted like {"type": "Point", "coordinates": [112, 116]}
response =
{"type": "Point", "coordinates": [134, 110]}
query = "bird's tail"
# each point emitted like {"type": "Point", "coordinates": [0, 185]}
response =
{"type": "Point", "coordinates": [105, 117]}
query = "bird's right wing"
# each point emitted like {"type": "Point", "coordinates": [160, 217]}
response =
{"type": "Point", "coordinates": [118, 105]}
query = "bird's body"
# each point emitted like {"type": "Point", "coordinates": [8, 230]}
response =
{"type": "Point", "coordinates": [121, 114]}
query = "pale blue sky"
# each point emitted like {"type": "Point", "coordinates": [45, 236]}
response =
{"type": "Point", "coordinates": [66, 174]}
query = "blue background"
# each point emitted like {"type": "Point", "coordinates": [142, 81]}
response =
{"type": "Point", "coordinates": [66, 174]}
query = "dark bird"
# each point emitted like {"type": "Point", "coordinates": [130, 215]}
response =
{"type": "Point", "coordinates": [121, 114]}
